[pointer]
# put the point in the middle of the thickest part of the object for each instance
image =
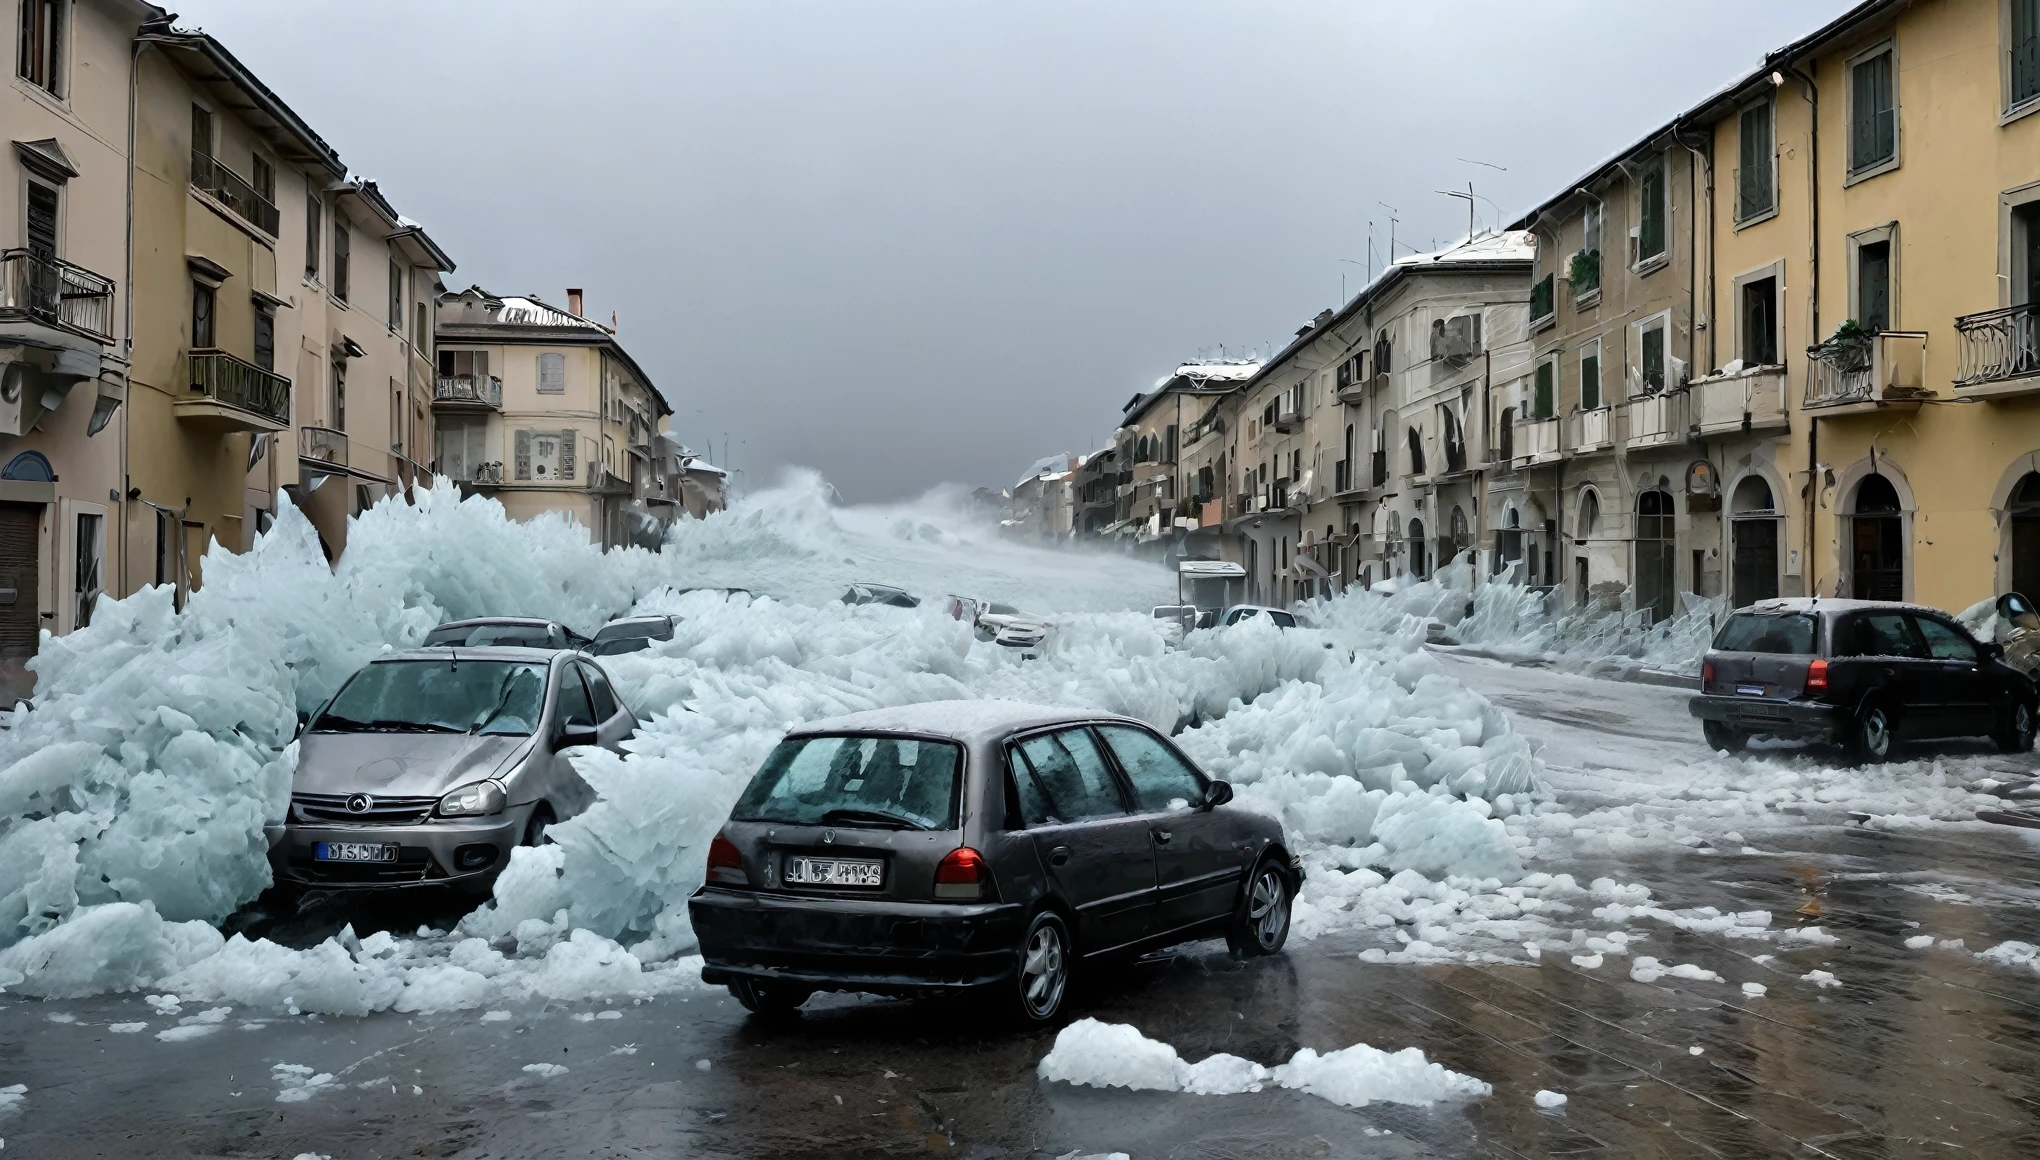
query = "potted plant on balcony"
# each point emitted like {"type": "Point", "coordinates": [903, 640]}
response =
{"type": "Point", "coordinates": [1847, 349]}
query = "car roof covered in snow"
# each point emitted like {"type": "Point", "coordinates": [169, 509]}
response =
{"type": "Point", "coordinates": [457, 654]}
{"type": "Point", "coordinates": [966, 721]}
{"type": "Point", "coordinates": [532, 621]}
{"type": "Point", "coordinates": [1835, 606]}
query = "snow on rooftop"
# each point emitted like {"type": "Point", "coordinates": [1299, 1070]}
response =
{"type": "Point", "coordinates": [529, 311]}
{"type": "Point", "coordinates": [1506, 246]}
{"type": "Point", "coordinates": [1225, 371]}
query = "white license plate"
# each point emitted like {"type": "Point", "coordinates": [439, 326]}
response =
{"type": "Point", "coordinates": [834, 872]}
{"type": "Point", "coordinates": [353, 852]}
{"type": "Point", "coordinates": [1750, 690]}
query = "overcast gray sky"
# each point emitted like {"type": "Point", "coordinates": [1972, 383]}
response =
{"type": "Point", "coordinates": [914, 242]}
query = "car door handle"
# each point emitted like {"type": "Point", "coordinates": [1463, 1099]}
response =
{"type": "Point", "coordinates": [1059, 855]}
{"type": "Point", "coordinates": [1162, 836]}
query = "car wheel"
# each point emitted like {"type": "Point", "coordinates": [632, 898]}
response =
{"type": "Point", "coordinates": [1720, 737]}
{"type": "Point", "coordinates": [1871, 742]}
{"type": "Point", "coordinates": [1042, 977]}
{"type": "Point", "coordinates": [770, 1000]}
{"type": "Point", "coordinates": [2016, 734]}
{"type": "Point", "coordinates": [1260, 924]}
{"type": "Point", "coordinates": [535, 829]}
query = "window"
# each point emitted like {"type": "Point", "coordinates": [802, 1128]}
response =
{"type": "Point", "coordinates": [1873, 114]}
{"type": "Point", "coordinates": [418, 329]}
{"type": "Point", "coordinates": [1881, 634]}
{"type": "Point", "coordinates": [1544, 388]}
{"type": "Point", "coordinates": [1416, 440]}
{"type": "Point", "coordinates": [1756, 182]}
{"type": "Point", "coordinates": [263, 178]}
{"type": "Point", "coordinates": [1759, 321]}
{"type": "Point", "coordinates": [1873, 286]}
{"type": "Point", "coordinates": [1161, 779]}
{"type": "Point", "coordinates": [1945, 643]}
{"type": "Point", "coordinates": [201, 131]}
{"type": "Point", "coordinates": [573, 706]}
{"type": "Point", "coordinates": [1071, 774]}
{"type": "Point", "coordinates": [42, 220]}
{"type": "Point", "coordinates": [396, 297]}
{"type": "Point", "coordinates": [2025, 239]}
{"type": "Point", "coordinates": [605, 698]}
{"type": "Point", "coordinates": [462, 364]}
{"type": "Point", "coordinates": [552, 375]}
{"type": "Point", "coordinates": [546, 455]}
{"type": "Point", "coordinates": [42, 44]}
{"type": "Point", "coordinates": [313, 214]}
{"type": "Point", "coordinates": [1650, 347]}
{"type": "Point", "coordinates": [2022, 52]}
{"type": "Point", "coordinates": [1793, 634]}
{"type": "Point", "coordinates": [396, 417]}
{"type": "Point", "coordinates": [342, 245]}
{"type": "Point", "coordinates": [806, 780]}
{"type": "Point", "coordinates": [339, 399]}
{"type": "Point", "coordinates": [201, 316]}
{"type": "Point", "coordinates": [85, 582]}
{"type": "Point", "coordinates": [1590, 376]}
{"type": "Point", "coordinates": [1651, 213]}
{"type": "Point", "coordinates": [265, 336]}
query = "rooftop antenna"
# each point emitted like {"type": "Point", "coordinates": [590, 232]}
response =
{"type": "Point", "coordinates": [1392, 219]}
{"type": "Point", "coordinates": [1468, 195]}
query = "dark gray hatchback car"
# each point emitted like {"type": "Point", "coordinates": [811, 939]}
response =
{"type": "Point", "coordinates": [978, 844]}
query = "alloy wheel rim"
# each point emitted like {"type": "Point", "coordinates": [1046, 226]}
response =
{"type": "Point", "coordinates": [1264, 908]}
{"type": "Point", "coordinates": [1876, 736]}
{"type": "Point", "coordinates": [1042, 971]}
{"type": "Point", "coordinates": [2023, 722]}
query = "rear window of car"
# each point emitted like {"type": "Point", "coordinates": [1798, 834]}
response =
{"type": "Point", "coordinates": [1794, 634]}
{"type": "Point", "coordinates": [857, 780]}
{"type": "Point", "coordinates": [483, 635]}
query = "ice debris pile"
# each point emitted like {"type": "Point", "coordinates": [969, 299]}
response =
{"type": "Point", "coordinates": [1097, 1054]}
{"type": "Point", "coordinates": [133, 795]}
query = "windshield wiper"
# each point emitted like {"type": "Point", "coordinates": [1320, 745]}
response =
{"type": "Point", "coordinates": [873, 818]}
{"type": "Point", "coordinates": [332, 724]}
{"type": "Point", "coordinates": [509, 687]}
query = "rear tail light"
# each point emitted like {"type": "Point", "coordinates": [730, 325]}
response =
{"type": "Point", "coordinates": [962, 876]}
{"type": "Point", "coordinates": [726, 863]}
{"type": "Point", "coordinates": [1816, 676]}
{"type": "Point", "coordinates": [1706, 673]}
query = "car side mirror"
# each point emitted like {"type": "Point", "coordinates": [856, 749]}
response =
{"type": "Point", "coordinates": [575, 734]}
{"type": "Point", "coordinates": [304, 718]}
{"type": "Point", "coordinates": [1993, 650]}
{"type": "Point", "coordinates": [1219, 794]}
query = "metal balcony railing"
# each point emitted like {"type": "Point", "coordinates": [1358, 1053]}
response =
{"type": "Point", "coordinates": [323, 445]}
{"type": "Point", "coordinates": [1999, 345]}
{"type": "Point", "coordinates": [1537, 439]}
{"type": "Point", "coordinates": [1657, 419]}
{"type": "Point", "coordinates": [486, 390]}
{"type": "Point", "coordinates": [223, 378]}
{"type": "Point", "coordinates": [54, 291]}
{"type": "Point", "coordinates": [1886, 367]}
{"type": "Point", "coordinates": [210, 176]}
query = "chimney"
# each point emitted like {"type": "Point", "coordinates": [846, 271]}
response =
{"type": "Point", "coordinates": [573, 302]}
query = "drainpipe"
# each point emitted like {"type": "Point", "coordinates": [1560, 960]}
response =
{"type": "Point", "coordinates": [128, 302]}
{"type": "Point", "coordinates": [1808, 575]}
{"type": "Point", "coordinates": [1704, 161]}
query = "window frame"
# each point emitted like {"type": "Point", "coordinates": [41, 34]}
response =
{"type": "Point", "coordinates": [1548, 362]}
{"type": "Point", "coordinates": [315, 236]}
{"type": "Point", "coordinates": [1851, 171]}
{"type": "Point", "coordinates": [1125, 775]}
{"type": "Point", "coordinates": [1640, 262]}
{"type": "Point", "coordinates": [1586, 350]}
{"type": "Point", "coordinates": [2012, 257]}
{"type": "Point", "coordinates": [1769, 104]}
{"type": "Point", "coordinates": [1662, 320]}
{"type": "Point", "coordinates": [396, 304]}
{"type": "Point", "coordinates": [1888, 235]}
{"type": "Point", "coordinates": [208, 319]}
{"type": "Point", "coordinates": [1776, 273]}
{"type": "Point", "coordinates": [57, 58]}
{"type": "Point", "coordinates": [2010, 109]}
{"type": "Point", "coordinates": [339, 277]}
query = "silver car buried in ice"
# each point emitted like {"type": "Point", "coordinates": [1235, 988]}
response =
{"type": "Point", "coordinates": [429, 766]}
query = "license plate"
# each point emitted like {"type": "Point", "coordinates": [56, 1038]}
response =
{"type": "Point", "coordinates": [1750, 690]}
{"type": "Point", "coordinates": [834, 872]}
{"type": "Point", "coordinates": [353, 852]}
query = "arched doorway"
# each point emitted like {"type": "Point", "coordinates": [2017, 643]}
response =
{"type": "Point", "coordinates": [1876, 542]}
{"type": "Point", "coordinates": [1753, 548]}
{"type": "Point", "coordinates": [1461, 536]}
{"type": "Point", "coordinates": [1655, 554]}
{"type": "Point", "coordinates": [1419, 565]}
{"type": "Point", "coordinates": [1509, 540]}
{"type": "Point", "coordinates": [2025, 512]}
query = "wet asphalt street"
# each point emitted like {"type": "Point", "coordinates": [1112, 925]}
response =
{"type": "Point", "coordinates": [1914, 1053]}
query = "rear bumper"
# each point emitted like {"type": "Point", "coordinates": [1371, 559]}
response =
{"type": "Point", "coordinates": [1792, 720]}
{"type": "Point", "coordinates": [854, 944]}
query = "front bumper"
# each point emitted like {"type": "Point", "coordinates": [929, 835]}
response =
{"type": "Point", "coordinates": [854, 944]}
{"type": "Point", "coordinates": [428, 853]}
{"type": "Point", "coordinates": [1789, 720]}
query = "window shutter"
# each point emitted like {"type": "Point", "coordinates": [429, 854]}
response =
{"type": "Point", "coordinates": [1590, 381]}
{"type": "Point", "coordinates": [2025, 50]}
{"type": "Point", "coordinates": [552, 374]}
{"type": "Point", "coordinates": [524, 455]}
{"type": "Point", "coordinates": [567, 448]}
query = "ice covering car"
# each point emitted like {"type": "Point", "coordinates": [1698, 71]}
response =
{"type": "Point", "coordinates": [978, 844]}
{"type": "Point", "coordinates": [521, 631]}
{"type": "Point", "coordinates": [627, 634]}
{"type": "Point", "coordinates": [881, 594]}
{"type": "Point", "coordinates": [1238, 612]}
{"type": "Point", "coordinates": [429, 766]}
{"type": "Point", "coordinates": [1001, 624]}
{"type": "Point", "coordinates": [1864, 674]}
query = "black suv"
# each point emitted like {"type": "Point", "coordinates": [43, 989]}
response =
{"type": "Point", "coordinates": [1859, 673]}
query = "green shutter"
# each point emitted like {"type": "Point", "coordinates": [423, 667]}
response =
{"type": "Point", "coordinates": [1542, 404]}
{"type": "Point", "coordinates": [524, 455]}
{"type": "Point", "coordinates": [1590, 381]}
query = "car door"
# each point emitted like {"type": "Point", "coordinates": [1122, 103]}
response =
{"type": "Point", "coordinates": [1897, 667]}
{"type": "Point", "coordinates": [568, 791]}
{"type": "Point", "coordinates": [1957, 670]}
{"type": "Point", "coordinates": [1197, 863]}
{"type": "Point", "coordinates": [1099, 855]}
{"type": "Point", "coordinates": [614, 722]}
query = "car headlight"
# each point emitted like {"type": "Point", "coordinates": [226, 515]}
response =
{"type": "Point", "coordinates": [473, 801]}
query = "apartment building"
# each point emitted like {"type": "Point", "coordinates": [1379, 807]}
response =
{"type": "Point", "coordinates": [1162, 491]}
{"type": "Point", "coordinates": [543, 409]}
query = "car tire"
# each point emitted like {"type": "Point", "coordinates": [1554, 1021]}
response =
{"type": "Point", "coordinates": [1260, 922]}
{"type": "Point", "coordinates": [535, 830]}
{"type": "Point", "coordinates": [2015, 733]}
{"type": "Point", "coordinates": [769, 1000]}
{"type": "Point", "coordinates": [1042, 974]}
{"type": "Point", "coordinates": [1870, 738]}
{"type": "Point", "coordinates": [1720, 736]}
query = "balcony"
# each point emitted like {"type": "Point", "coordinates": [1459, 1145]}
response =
{"type": "Point", "coordinates": [1543, 302]}
{"type": "Point", "coordinates": [1536, 442]}
{"type": "Point", "coordinates": [1592, 431]}
{"type": "Point", "coordinates": [468, 392]}
{"type": "Point", "coordinates": [1287, 419]}
{"type": "Point", "coordinates": [234, 395]}
{"type": "Point", "coordinates": [56, 293]}
{"type": "Point", "coordinates": [2000, 352]}
{"type": "Point", "coordinates": [1749, 400]}
{"type": "Point", "coordinates": [1876, 371]}
{"type": "Point", "coordinates": [211, 177]}
{"type": "Point", "coordinates": [1584, 277]}
{"type": "Point", "coordinates": [1657, 420]}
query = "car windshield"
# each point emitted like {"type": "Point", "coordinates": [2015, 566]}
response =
{"type": "Point", "coordinates": [1746, 632]}
{"type": "Point", "coordinates": [1003, 610]}
{"type": "Point", "coordinates": [439, 696]}
{"type": "Point", "coordinates": [482, 635]}
{"type": "Point", "coordinates": [884, 782]}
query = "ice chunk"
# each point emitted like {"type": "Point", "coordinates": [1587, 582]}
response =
{"type": "Point", "coordinates": [1821, 979]}
{"type": "Point", "coordinates": [11, 1098]}
{"type": "Point", "coordinates": [1549, 1099]}
{"type": "Point", "coordinates": [545, 1070]}
{"type": "Point", "coordinates": [126, 1028]}
{"type": "Point", "coordinates": [296, 1083]}
{"type": "Point", "coordinates": [1919, 942]}
{"type": "Point", "coordinates": [1754, 990]}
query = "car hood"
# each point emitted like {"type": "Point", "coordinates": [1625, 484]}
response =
{"type": "Point", "coordinates": [400, 764]}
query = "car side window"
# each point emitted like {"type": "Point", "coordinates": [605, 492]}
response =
{"type": "Point", "coordinates": [1884, 634]}
{"type": "Point", "coordinates": [1283, 619]}
{"type": "Point", "coordinates": [573, 708]}
{"type": "Point", "coordinates": [1161, 780]}
{"type": "Point", "coordinates": [1027, 803]}
{"type": "Point", "coordinates": [1944, 642]}
{"type": "Point", "coordinates": [599, 692]}
{"type": "Point", "coordinates": [1072, 773]}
